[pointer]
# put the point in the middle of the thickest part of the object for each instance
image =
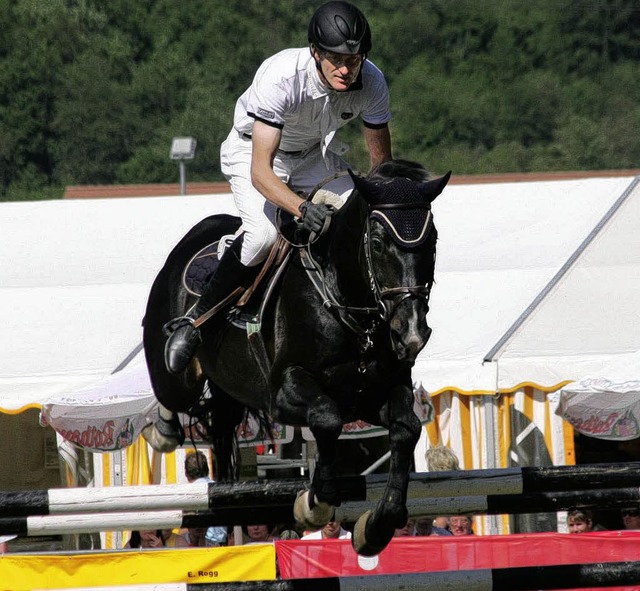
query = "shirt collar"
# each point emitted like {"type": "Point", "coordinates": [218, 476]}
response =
{"type": "Point", "coordinates": [315, 86]}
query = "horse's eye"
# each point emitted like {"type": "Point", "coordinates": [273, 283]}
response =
{"type": "Point", "coordinates": [377, 246]}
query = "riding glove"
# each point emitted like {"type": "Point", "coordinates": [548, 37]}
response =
{"type": "Point", "coordinates": [313, 215]}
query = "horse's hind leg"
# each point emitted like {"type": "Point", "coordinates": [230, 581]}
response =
{"type": "Point", "coordinates": [302, 401]}
{"type": "Point", "coordinates": [374, 529]}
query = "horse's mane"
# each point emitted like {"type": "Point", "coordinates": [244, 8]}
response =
{"type": "Point", "coordinates": [400, 168]}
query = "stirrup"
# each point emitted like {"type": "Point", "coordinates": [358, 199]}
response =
{"type": "Point", "coordinates": [170, 327]}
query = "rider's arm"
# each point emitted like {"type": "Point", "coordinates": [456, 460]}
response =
{"type": "Point", "coordinates": [378, 141]}
{"type": "Point", "coordinates": [265, 141]}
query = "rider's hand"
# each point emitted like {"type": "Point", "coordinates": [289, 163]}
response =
{"type": "Point", "coordinates": [313, 215]}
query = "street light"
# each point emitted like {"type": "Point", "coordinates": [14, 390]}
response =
{"type": "Point", "coordinates": [182, 149]}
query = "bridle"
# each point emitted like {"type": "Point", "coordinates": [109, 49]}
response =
{"type": "Point", "coordinates": [383, 295]}
{"type": "Point", "coordinates": [365, 321]}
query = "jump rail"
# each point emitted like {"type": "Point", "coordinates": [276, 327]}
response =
{"type": "Point", "coordinates": [270, 493]}
{"type": "Point", "coordinates": [38, 525]}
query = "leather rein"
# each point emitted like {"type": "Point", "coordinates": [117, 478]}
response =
{"type": "Point", "coordinates": [365, 321]}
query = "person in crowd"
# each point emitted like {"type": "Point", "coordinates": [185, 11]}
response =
{"type": "Point", "coordinates": [146, 538]}
{"type": "Point", "coordinates": [425, 527]}
{"type": "Point", "coordinates": [196, 537]}
{"type": "Point", "coordinates": [461, 525]}
{"type": "Point", "coordinates": [282, 143]}
{"type": "Point", "coordinates": [407, 530]}
{"type": "Point", "coordinates": [196, 469]}
{"type": "Point", "coordinates": [631, 518]}
{"type": "Point", "coordinates": [441, 459]}
{"type": "Point", "coordinates": [4, 543]}
{"type": "Point", "coordinates": [580, 521]}
{"type": "Point", "coordinates": [332, 530]}
{"type": "Point", "coordinates": [259, 534]}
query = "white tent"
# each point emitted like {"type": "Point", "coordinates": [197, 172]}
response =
{"type": "Point", "coordinates": [499, 247]}
{"type": "Point", "coordinates": [585, 322]}
{"type": "Point", "coordinates": [74, 279]}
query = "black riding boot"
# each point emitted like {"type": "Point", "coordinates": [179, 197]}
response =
{"type": "Point", "coordinates": [185, 338]}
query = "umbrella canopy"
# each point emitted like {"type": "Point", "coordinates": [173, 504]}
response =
{"type": "Point", "coordinates": [598, 407]}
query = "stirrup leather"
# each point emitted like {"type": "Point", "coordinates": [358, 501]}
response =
{"type": "Point", "coordinates": [170, 327]}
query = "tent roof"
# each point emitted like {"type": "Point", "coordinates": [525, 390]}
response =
{"type": "Point", "coordinates": [499, 246]}
{"type": "Point", "coordinates": [72, 299]}
{"type": "Point", "coordinates": [585, 323]}
{"type": "Point", "coordinates": [75, 279]}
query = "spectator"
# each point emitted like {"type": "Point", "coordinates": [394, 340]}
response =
{"type": "Point", "coordinates": [407, 530]}
{"type": "Point", "coordinates": [580, 521]}
{"type": "Point", "coordinates": [174, 539]}
{"type": "Point", "coordinates": [145, 538]}
{"type": "Point", "coordinates": [259, 534]}
{"type": "Point", "coordinates": [196, 537]}
{"type": "Point", "coordinates": [631, 518]}
{"type": "Point", "coordinates": [4, 546]}
{"type": "Point", "coordinates": [196, 469]}
{"type": "Point", "coordinates": [332, 530]}
{"type": "Point", "coordinates": [425, 527]}
{"type": "Point", "coordinates": [461, 525]}
{"type": "Point", "coordinates": [441, 459]}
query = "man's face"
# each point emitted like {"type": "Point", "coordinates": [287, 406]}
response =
{"type": "Point", "coordinates": [338, 71]}
{"type": "Point", "coordinates": [631, 518]}
{"type": "Point", "coordinates": [331, 530]}
{"type": "Point", "coordinates": [460, 525]}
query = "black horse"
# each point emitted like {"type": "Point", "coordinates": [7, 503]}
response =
{"type": "Point", "coordinates": [341, 335]}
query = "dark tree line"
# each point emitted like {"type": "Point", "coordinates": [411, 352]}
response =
{"type": "Point", "coordinates": [91, 92]}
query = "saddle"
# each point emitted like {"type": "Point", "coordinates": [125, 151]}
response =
{"type": "Point", "coordinates": [205, 262]}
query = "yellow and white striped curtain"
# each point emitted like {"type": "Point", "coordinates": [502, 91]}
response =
{"type": "Point", "coordinates": [518, 428]}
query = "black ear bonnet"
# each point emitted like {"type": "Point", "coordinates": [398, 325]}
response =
{"type": "Point", "coordinates": [402, 206]}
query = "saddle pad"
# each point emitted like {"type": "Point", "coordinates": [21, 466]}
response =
{"type": "Point", "coordinates": [198, 270]}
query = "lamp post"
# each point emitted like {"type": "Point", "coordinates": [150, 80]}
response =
{"type": "Point", "coordinates": [183, 149]}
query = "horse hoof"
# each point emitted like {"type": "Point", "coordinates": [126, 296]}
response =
{"type": "Point", "coordinates": [315, 517]}
{"type": "Point", "coordinates": [159, 442]}
{"type": "Point", "coordinates": [359, 538]}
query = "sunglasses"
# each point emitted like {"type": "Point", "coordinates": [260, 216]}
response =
{"type": "Point", "coordinates": [631, 513]}
{"type": "Point", "coordinates": [339, 60]}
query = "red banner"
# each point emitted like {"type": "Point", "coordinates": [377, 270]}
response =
{"type": "Point", "coordinates": [330, 558]}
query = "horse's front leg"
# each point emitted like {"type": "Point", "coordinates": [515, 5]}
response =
{"type": "Point", "coordinates": [302, 400]}
{"type": "Point", "coordinates": [166, 433]}
{"type": "Point", "coordinates": [374, 530]}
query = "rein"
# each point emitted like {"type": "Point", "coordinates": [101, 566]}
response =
{"type": "Point", "coordinates": [351, 316]}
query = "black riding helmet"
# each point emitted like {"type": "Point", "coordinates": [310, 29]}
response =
{"type": "Point", "coordinates": [341, 28]}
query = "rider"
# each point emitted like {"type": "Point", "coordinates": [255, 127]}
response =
{"type": "Point", "coordinates": [282, 134]}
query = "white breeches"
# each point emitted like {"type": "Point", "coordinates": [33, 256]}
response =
{"type": "Point", "coordinates": [300, 172]}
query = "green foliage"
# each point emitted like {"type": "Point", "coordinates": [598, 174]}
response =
{"type": "Point", "coordinates": [93, 91]}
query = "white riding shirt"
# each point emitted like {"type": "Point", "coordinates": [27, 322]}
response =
{"type": "Point", "coordinates": [287, 93]}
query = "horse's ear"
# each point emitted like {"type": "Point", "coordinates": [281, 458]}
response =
{"type": "Point", "coordinates": [431, 189]}
{"type": "Point", "coordinates": [366, 188]}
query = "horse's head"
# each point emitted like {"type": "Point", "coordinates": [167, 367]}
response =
{"type": "Point", "coordinates": [400, 247]}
